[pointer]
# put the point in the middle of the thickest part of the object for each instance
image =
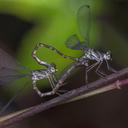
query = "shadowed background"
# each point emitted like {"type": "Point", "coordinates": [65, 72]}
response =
{"type": "Point", "coordinates": [23, 24]}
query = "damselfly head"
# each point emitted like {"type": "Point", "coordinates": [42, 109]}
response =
{"type": "Point", "coordinates": [107, 55]}
{"type": "Point", "coordinates": [53, 69]}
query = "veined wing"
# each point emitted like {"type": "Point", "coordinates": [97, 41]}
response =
{"type": "Point", "coordinates": [9, 68]}
{"type": "Point", "coordinates": [7, 61]}
{"type": "Point", "coordinates": [8, 75]}
{"type": "Point", "coordinates": [73, 42]}
{"type": "Point", "coordinates": [7, 79]}
{"type": "Point", "coordinates": [84, 22]}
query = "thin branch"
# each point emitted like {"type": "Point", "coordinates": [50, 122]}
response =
{"type": "Point", "coordinates": [115, 78]}
{"type": "Point", "coordinates": [115, 85]}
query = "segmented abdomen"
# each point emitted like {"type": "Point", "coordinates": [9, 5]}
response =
{"type": "Point", "coordinates": [58, 52]}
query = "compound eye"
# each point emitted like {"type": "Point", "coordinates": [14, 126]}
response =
{"type": "Point", "coordinates": [108, 55]}
{"type": "Point", "coordinates": [53, 69]}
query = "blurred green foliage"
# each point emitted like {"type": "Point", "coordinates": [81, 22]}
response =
{"type": "Point", "coordinates": [54, 21]}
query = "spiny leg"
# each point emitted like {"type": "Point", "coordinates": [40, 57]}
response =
{"type": "Point", "coordinates": [98, 72]}
{"type": "Point", "coordinates": [64, 77]}
{"type": "Point", "coordinates": [92, 66]}
{"type": "Point", "coordinates": [36, 89]}
{"type": "Point", "coordinates": [53, 81]}
{"type": "Point", "coordinates": [54, 77]}
{"type": "Point", "coordinates": [89, 69]}
{"type": "Point", "coordinates": [110, 68]}
{"type": "Point", "coordinates": [40, 93]}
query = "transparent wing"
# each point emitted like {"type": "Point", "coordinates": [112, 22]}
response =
{"type": "Point", "coordinates": [73, 42]}
{"type": "Point", "coordinates": [8, 75]}
{"type": "Point", "coordinates": [9, 68]}
{"type": "Point", "coordinates": [4, 109]}
{"type": "Point", "coordinates": [84, 22]}
{"type": "Point", "coordinates": [9, 62]}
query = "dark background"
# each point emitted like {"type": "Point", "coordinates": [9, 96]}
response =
{"type": "Point", "coordinates": [108, 110]}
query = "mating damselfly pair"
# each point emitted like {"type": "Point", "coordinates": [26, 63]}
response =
{"type": "Point", "coordinates": [11, 71]}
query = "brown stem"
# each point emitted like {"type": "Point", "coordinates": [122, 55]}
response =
{"type": "Point", "coordinates": [16, 117]}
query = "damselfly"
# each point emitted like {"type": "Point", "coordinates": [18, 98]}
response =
{"type": "Point", "coordinates": [10, 70]}
{"type": "Point", "coordinates": [73, 42]}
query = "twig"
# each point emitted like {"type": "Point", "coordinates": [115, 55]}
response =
{"type": "Point", "coordinates": [116, 77]}
{"type": "Point", "coordinates": [116, 85]}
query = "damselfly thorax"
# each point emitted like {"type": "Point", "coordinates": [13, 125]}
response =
{"type": "Point", "coordinates": [96, 55]}
{"type": "Point", "coordinates": [42, 73]}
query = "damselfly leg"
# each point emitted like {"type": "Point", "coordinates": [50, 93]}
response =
{"type": "Point", "coordinates": [98, 72]}
{"type": "Point", "coordinates": [101, 74]}
{"type": "Point", "coordinates": [110, 68]}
